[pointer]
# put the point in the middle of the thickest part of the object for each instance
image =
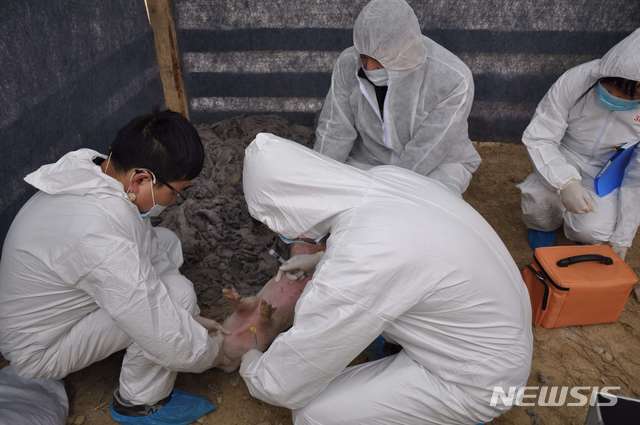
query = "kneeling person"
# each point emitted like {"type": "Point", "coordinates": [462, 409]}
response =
{"type": "Point", "coordinates": [590, 111]}
{"type": "Point", "coordinates": [399, 98]}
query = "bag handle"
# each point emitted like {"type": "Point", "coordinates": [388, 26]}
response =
{"type": "Point", "coordinates": [566, 262]}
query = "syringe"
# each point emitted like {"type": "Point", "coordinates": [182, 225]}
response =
{"type": "Point", "coordinates": [273, 253]}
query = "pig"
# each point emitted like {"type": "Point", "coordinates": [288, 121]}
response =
{"type": "Point", "coordinates": [257, 320]}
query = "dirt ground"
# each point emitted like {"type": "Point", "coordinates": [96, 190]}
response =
{"type": "Point", "coordinates": [224, 246]}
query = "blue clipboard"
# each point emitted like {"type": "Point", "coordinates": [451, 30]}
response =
{"type": "Point", "coordinates": [611, 175]}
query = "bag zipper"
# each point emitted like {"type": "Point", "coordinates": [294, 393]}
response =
{"type": "Point", "coordinates": [543, 277]}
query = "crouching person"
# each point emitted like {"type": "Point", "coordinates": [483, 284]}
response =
{"type": "Point", "coordinates": [84, 274]}
{"type": "Point", "coordinates": [590, 112]}
{"type": "Point", "coordinates": [405, 258]}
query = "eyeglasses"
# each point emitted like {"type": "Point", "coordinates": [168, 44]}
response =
{"type": "Point", "coordinates": [180, 195]}
{"type": "Point", "coordinates": [155, 179]}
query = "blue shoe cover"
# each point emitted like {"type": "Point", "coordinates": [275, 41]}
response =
{"type": "Point", "coordinates": [540, 238]}
{"type": "Point", "coordinates": [182, 409]}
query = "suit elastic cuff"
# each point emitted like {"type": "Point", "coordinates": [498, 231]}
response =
{"type": "Point", "coordinates": [247, 359]}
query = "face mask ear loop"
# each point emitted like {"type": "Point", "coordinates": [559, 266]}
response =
{"type": "Point", "coordinates": [106, 169]}
{"type": "Point", "coordinates": [153, 182]}
{"type": "Point", "coordinates": [153, 198]}
{"type": "Point", "coordinates": [133, 173]}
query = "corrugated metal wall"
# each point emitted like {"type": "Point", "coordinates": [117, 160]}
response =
{"type": "Point", "coordinates": [71, 74]}
{"type": "Point", "coordinates": [266, 56]}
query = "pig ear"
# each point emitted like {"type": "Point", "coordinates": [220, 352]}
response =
{"type": "Point", "coordinates": [266, 310]}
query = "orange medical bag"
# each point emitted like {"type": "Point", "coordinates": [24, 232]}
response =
{"type": "Point", "coordinates": [577, 285]}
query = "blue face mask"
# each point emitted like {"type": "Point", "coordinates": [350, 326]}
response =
{"type": "Point", "coordinates": [614, 103]}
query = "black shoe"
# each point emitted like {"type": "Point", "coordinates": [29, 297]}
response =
{"type": "Point", "coordinates": [124, 408]}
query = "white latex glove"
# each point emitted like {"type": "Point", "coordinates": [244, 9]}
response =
{"type": "Point", "coordinates": [296, 266]}
{"type": "Point", "coordinates": [575, 198]}
{"type": "Point", "coordinates": [620, 250]}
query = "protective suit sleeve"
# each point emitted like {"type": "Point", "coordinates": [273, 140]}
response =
{"type": "Point", "coordinates": [628, 201]}
{"type": "Point", "coordinates": [166, 250]}
{"type": "Point", "coordinates": [544, 133]}
{"type": "Point", "coordinates": [336, 132]}
{"type": "Point", "coordinates": [329, 332]}
{"type": "Point", "coordinates": [111, 269]}
{"type": "Point", "coordinates": [445, 129]}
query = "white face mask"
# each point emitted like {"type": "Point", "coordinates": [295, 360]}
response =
{"type": "Point", "coordinates": [378, 77]}
{"type": "Point", "coordinates": [155, 211]}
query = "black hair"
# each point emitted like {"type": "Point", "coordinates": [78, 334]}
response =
{"type": "Point", "coordinates": [628, 87]}
{"type": "Point", "coordinates": [164, 142]}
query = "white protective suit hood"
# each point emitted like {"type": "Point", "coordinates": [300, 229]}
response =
{"type": "Point", "coordinates": [422, 124]}
{"type": "Point", "coordinates": [291, 214]}
{"type": "Point", "coordinates": [623, 59]}
{"type": "Point", "coordinates": [75, 174]}
{"type": "Point", "coordinates": [388, 31]}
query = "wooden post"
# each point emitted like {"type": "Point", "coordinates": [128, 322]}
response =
{"type": "Point", "coordinates": [161, 18]}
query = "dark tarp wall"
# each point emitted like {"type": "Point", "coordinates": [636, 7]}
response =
{"type": "Point", "coordinates": [71, 73]}
{"type": "Point", "coordinates": [246, 56]}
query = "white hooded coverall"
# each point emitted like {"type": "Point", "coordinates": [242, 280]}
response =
{"type": "Point", "coordinates": [571, 137]}
{"type": "Point", "coordinates": [83, 276]}
{"type": "Point", "coordinates": [405, 258]}
{"type": "Point", "coordinates": [423, 126]}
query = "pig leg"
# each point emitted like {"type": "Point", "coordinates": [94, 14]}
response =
{"type": "Point", "coordinates": [266, 311]}
{"type": "Point", "coordinates": [264, 321]}
{"type": "Point", "coordinates": [239, 303]}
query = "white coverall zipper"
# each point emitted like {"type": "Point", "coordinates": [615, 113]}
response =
{"type": "Point", "coordinates": [365, 92]}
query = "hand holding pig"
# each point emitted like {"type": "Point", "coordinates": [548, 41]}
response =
{"type": "Point", "coordinates": [298, 265]}
{"type": "Point", "coordinates": [217, 333]}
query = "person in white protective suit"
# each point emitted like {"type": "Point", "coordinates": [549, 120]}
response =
{"type": "Point", "coordinates": [399, 98]}
{"type": "Point", "coordinates": [404, 258]}
{"type": "Point", "coordinates": [84, 274]}
{"type": "Point", "coordinates": [590, 111]}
